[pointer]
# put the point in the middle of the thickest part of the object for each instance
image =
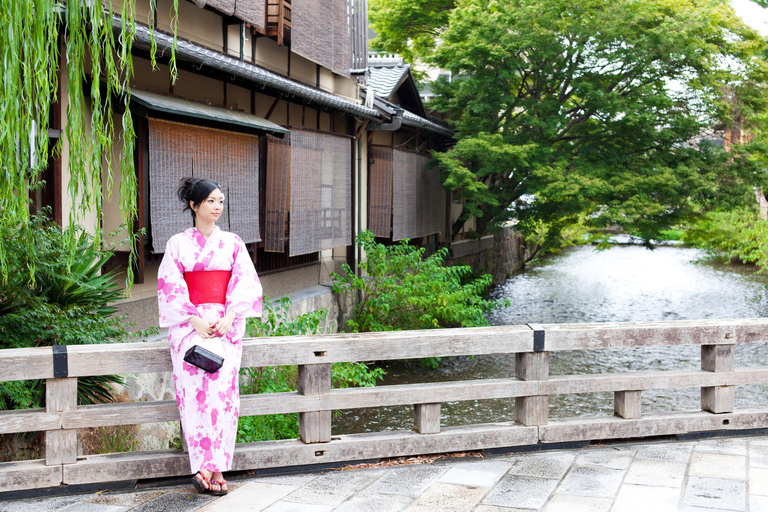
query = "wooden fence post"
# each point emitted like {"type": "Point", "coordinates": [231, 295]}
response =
{"type": "Point", "coordinates": [532, 410]}
{"type": "Point", "coordinates": [717, 358]}
{"type": "Point", "coordinates": [426, 418]}
{"type": "Point", "coordinates": [627, 404]}
{"type": "Point", "coordinates": [60, 445]}
{"type": "Point", "coordinates": [315, 379]}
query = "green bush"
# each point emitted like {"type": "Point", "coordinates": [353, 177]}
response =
{"type": "Point", "coordinates": [400, 289]}
{"type": "Point", "coordinates": [738, 233]}
{"type": "Point", "coordinates": [275, 321]}
{"type": "Point", "coordinates": [54, 296]}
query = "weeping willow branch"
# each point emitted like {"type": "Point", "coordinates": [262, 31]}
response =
{"type": "Point", "coordinates": [99, 68]}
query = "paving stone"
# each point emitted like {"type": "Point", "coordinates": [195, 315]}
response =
{"type": "Point", "coordinates": [584, 481]}
{"type": "Point", "coordinates": [329, 489]}
{"type": "Point", "coordinates": [287, 506]}
{"type": "Point", "coordinates": [175, 502]}
{"type": "Point", "coordinates": [550, 465]}
{"type": "Point", "coordinates": [374, 502]}
{"type": "Point", "coordinates": [758, 481]}
{"type": "Point", "coordinates": [476, 474]}
{"type": "Point", "coordinates": [758, 503]}
{"type": "Point", "coordinates": [568, 503]}
{"type": "Point", "coordinates": [656, 472]}
{"type": "Point", "coordinates": [614, 457]}
{"type": "Point", "coordinates": [42, 504]}
{"type": "Point", "coordinates": [667, 452]}
{"type": "Point", "coordinates": [296, 479]}
{"type": "Point", "coordinates": [716, 493]}
{"type": "Point", "coordinates": [250, 497]}
{"type": "Point", "coordinates": [493, 508]}
{"type": "Point", "coordinates": [441, 497]}
{"type": "Point", "coordinates": [642, 498]}
{"type": "Point", "coordinates": [723, 446]}
{"type": "Point", "coordinates": [716, 465]}
{"type": "Point", "coordinates": [758, 455]}
{"type": "Point", "coordinates": [407, 480]}
{"type": "Point", "coordinates": [521, 492]}
{"type": "Point", "coordinates": [94, 507]}
{"type": "Point", "coordinates": [125, 499]}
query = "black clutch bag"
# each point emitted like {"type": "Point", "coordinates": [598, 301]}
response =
{"type": "Point", "coordinates": [203, 358]}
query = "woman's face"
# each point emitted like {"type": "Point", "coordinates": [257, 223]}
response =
{"type": "Point", "coordinates": [210, 209]}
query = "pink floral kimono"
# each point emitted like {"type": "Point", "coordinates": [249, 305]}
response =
{"type": "Point", "coordinates": [208, 402]}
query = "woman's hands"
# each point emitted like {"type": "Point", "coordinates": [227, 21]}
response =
{"type": "Point", "coordinates": [204, 328]}
{"type": "Point", "coordinates": [224, 324]}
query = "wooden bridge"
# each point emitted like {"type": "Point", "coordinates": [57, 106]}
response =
{"type": "Point", "coordinates": [529, 383]}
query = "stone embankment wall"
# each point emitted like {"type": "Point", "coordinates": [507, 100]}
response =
{"type": "Point", "coordinates": [501, 254]}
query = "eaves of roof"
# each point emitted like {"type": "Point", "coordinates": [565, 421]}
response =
{"type": "Point", "coordinates": [200, 55]}
{"type": "Point", "coordinates": [189, 109]}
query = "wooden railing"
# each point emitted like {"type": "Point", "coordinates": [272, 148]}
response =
{"type": "Point", "coordinates": [529, 383]}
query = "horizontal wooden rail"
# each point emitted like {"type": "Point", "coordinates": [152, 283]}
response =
{"type": "Point", "coordinates": [136, 358]}
{"type": "Point", "coordinates": [133, 413]}
{"type": "Point", "coordinates": [529, 384]}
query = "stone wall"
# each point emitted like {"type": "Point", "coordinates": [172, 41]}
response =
{"type": "Point", "coordinates": [501, 254]}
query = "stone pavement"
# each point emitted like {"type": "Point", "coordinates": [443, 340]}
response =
{"type": "Point", "coordinates": [695, 476]}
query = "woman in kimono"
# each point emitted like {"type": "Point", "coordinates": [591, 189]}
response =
{"type": "Point", "coordinates": [190, 307]}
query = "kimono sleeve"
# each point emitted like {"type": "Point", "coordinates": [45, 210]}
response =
{"type": "Point", "coordinates": [172, 292]}
{"type": "Point", "coordinates": [244, 295]}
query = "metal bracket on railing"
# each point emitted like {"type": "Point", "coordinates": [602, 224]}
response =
{"type": "Point", "coordinates": [60, 362]}
{"type": "Point", "coordinates": [538, 337]}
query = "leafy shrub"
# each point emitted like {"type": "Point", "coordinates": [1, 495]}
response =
{"type": "Point", "coordinates": [738, 233]}
{"type": "Point", "coordinates": [55, 293]}
{"type": "Point", "coordinates": [276, 321]}
{"type": "Point", "coordinates": [400, 289]}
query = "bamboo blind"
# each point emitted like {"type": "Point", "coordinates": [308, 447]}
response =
{"type": "Point", "coordinates": [253, 12]}
{"type": "Point", "coordinates": [225, 6]}
{"type": "Point", "coordinates": [380, 202]}
{"type": "Point", "coordinates": [231, 159]}
{"type": "Point", "coordinates": [250, 11]}
{"type": "Point", "coordinates": [418, 198]}
{"type": "Point", "coordinates": [320, 32]}
{"type": "Point", "coordinates": [278, 178]}
{"type": "Point", "coordinates": [321, 201]}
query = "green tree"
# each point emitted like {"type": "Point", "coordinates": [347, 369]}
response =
{"type": "Point", "coordinates": [98, 70]}
{"type": "Point", "coordinates": [566, 108]}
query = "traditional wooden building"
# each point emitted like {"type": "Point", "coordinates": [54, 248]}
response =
{"type": "Point", "coordinates": [276, 101]}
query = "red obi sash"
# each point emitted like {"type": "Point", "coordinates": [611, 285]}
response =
{"type": "Point", "coordinates": [207, 286]}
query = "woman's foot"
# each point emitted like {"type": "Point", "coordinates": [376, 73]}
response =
{"type": "Point", "coordinates": [218, 485]}
{"type": "Point", "coordinates": [202, 481]}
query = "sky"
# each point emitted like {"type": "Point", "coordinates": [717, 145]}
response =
{"type": "Point", "coordinates": [752, 14]}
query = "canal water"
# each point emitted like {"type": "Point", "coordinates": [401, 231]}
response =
{"type": "Point", "coordinates": [622, 284]}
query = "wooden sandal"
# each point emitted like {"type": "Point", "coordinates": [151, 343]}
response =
{"type": "Point", "coordinates": [200, 483]}
{"type": "Point", "coordinates": [221, 491]}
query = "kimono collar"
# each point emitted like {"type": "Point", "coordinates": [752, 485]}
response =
{"type": "Point", "coordinates": [199, 238]}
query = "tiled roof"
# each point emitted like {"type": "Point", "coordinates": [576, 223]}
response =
{"type": "Point", "coordinates": [385, 80]}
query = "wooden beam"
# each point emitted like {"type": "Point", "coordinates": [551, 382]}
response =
{"type": "Point", "coordinates": [60, 444]}
{"type": "Point", "coordinates": [627, 404]}
{"type": "Point", "coordinates": [717, 359]}
{"type": "Point", "coordinates": [532, 410]}
{"type": "Point", "coordinates": [426, 418]}
{"type": "Point", "coordinates": [315, 379]}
